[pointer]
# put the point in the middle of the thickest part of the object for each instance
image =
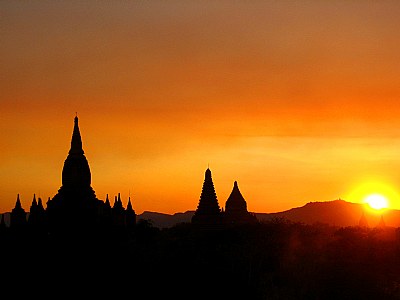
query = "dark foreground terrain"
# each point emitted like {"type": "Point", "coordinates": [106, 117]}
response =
{"type": "Point", "coordinates": [277, 259]}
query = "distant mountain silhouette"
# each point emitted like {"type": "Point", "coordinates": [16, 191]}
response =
{"type": "Point", "coordinates": [162, 220]}
{"type": "Point", "coordinates": [335, 212]}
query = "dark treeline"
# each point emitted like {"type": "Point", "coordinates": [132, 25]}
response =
{"type": "Point", "coordinates": [269, 260]}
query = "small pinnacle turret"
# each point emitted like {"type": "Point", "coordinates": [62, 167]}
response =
{"type": "Point", "coordinates": [130, 216]}
{"type": "Point", "coordinates": [18, 216]}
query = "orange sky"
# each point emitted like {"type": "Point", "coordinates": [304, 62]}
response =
{"type": "Point", "coordinates": [296, 100]}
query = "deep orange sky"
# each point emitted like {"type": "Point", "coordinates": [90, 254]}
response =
{"type": "Point", "coordinates": [296, 100]}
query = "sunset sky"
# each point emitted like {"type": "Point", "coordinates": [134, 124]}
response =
{"type": "Point", "coordinates": [298, 101]}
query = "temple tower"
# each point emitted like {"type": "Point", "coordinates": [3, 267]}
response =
{"type": "Point", "coordinates": [76, 171]}
{"type": "Point", "coordinates": [75, 206]}
{"type": "Point", "coordinates": [236, 208]}
{"type": "Point", "coordinates": [208, 211]}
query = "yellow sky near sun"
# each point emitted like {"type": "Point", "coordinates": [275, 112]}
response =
{"type": "Point", "coordinates": [297, 101]}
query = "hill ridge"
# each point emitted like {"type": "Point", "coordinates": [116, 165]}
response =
{"type": "Point", "coordinates": [336, 212]}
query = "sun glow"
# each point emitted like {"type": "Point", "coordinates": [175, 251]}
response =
{"type": "Point", "coordinates": [376, 201]}
{"type": "Point", "coordinates": [377, 195]}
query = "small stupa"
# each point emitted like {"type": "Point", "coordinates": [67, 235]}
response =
{"type": "Point", "coordinates": [236, 208]}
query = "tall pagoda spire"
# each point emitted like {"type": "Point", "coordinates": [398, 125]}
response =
{"type": "Point", "coordinates": [208, 210]}
{"type": "Point", "coordinates": [75, 205]}
{"type": "Point", "coordinates": [76, 171]}
{"type": "Point", "coordinates": [76, 141]}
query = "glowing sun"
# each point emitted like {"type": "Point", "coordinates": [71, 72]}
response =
{"type": "Point", "coordinates": [376, 201]}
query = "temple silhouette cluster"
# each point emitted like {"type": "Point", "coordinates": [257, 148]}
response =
{"type": "Point", "coordinates": [209, 213]}
{"type": "Point", "coordinates": [77, 244]}
{"type": "Point", "coordinates": [76, 208]}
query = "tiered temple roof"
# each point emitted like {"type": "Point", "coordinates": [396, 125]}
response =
{"type": "Point", "coordinates": [209, 213]}
{"type": "Point", "coordinates": [208, 210]}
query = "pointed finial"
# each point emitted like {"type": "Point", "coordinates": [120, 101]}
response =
{"type": "Point", "coordinates": [76, 141]}
{"type": "Point", "coordinates": [18, 202]}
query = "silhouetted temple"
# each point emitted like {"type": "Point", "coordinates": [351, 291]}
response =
{"type": "Point", "coordinates": [208, 212]}
{"type": "Point", "coordinates": [236, 208]}
{"type": "Point", "coordinates": [75, 204]}
{"type": "Point", "coordinates": [75, 207]}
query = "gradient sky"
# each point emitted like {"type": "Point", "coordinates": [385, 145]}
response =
{"type": "Point", "coordinates": [299, 101]}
